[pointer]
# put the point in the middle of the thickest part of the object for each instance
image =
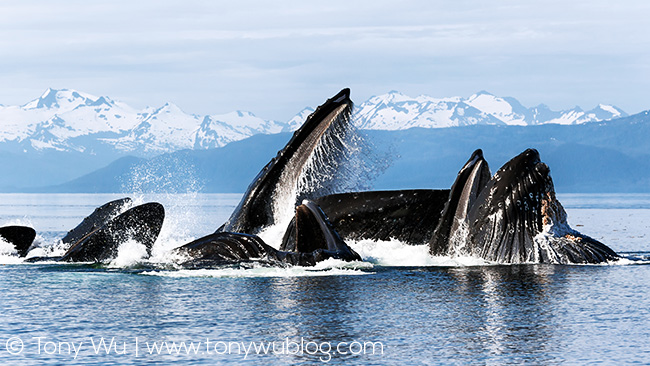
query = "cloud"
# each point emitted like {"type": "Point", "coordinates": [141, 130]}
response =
{"type": "Point", "coordinates": [276, 57]}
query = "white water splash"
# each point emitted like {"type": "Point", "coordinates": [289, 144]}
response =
{"type": "Point", "coordinates": [272, 235]}
{"type": "Point", "coordinates": [8, 253]}
{"type": "Point", "coordinates": [342, 160]}
{"type": "Point", "coordinates": [129, 254]}
{"type": "Point", "coordinates": [394, 253]}
{"type": "Point", "coordinates": [164, 173]}
{"type": "Point", "coordinates": [47, 249]}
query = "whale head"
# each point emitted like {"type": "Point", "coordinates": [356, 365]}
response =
{"type": "Point", "coordinates": [301, 163]}
{"type": "Point", "coordinates": [141, 223]}
{"type": "Point", "coordinates": [516, 218]}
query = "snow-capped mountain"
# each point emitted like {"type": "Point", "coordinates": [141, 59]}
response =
{"type": "Point", "coordinates": [69, 120]}
{"type": "Point", "coordinates": [396, 111]}
{"type": "Point", "coordinates": [216, 131]}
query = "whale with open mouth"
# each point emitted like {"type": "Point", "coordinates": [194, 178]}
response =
{"type": "Point", "coordinates": [301, 170]}
{"type": "Point", "coordinates": [514, 217]}
{"type": "Point", "coordinates": [98, 237]}
{"type": "Point", "coordinates": [511, 217]}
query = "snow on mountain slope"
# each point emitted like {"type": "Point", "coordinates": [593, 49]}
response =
{"type": "Point", "coordinates": [218, 130]}
{"type": "Point", "coordinates": [297, 120]}
{"type": "Point", "coordinates": [167, 128]}
{"type": "Point", "coordinates": [69, 120]}
{"type": "Point", "coordinates": [396, 111]}
{"type": "Point", "coordinates": [508, 111]}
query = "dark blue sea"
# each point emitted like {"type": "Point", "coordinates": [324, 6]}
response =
{"type": "Point", "coordinates": [398, 307]}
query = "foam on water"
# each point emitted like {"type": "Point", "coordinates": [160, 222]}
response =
{"type": "Point", "coordinates": [330, 267]}
{"type": "Point", "coordinates": [47, 247]}
{"type": "Point", "coordinates": [394, 253]}
{"type": "Point", "coordinates": [10, 259]}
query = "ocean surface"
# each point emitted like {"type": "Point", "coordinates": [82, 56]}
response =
{"type": "Point", "coordinates": [400, 306]}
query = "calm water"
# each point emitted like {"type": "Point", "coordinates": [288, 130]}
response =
{"type": "Point", "coordinates": [417, 310]}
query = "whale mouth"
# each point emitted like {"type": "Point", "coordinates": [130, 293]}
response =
{"type": "Point", "coordinates": [513, 217]}
{"type": "Point", "coordinates": [305, 168]}
{"type": "Point", "coordinates": [141, 224]}
{"type": "Point", "coordinates": [507, 213]}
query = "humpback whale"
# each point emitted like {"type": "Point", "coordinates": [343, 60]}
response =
{"type": "Point", "coordinates": [98, 218]}
{"type": "Point", "coordinates": [309, 238]}
{"type": "Point", "coordinates": [471, 179]}
{"type": "Point", "coordinates": [511, 217]}
{"type": "Point", "coordinates": [21, 237]}
{"type": "Point", "coordinates": [98, 237]}
{"type": "Point", "coordinates": [310, 232]}
{"type": "Point", "coordinates": [409, 216]}
{"type": "Point", "coordinates": [301, 170]}
{"type": "Point", "coordinates": [514, 217]}
{"type": "Point", "coordinates": [141, 223]}
{"type": "Point", "coordinates": [284, 182]}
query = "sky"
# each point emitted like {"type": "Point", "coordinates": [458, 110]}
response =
{"type": "Point", "coordinates": [275, 58]}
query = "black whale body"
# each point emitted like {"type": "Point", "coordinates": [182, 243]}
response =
{"type": "Point", "coordinates": [470, 181]}
{"type": "Point", "coordinates": [309, 239]}
{"type": "Point", "coordinates": [516, 218]}
{"type": "Point", "coordinates": [409, 216]}
{"type": "Point", "coordinates": [21, 237]}
{"type": "Point", "coordinates": [98, 237]}
{"type": "Point", "coordinates": [141, 223]}
{"type": "Point", "coordinates": [98, 218]}
{"type": "Point", "coordinates": [511, 217]}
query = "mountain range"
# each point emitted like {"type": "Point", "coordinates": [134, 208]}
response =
{"type": "Point", "coordinates": [605, 157]}
{"type": "Point", "coordinates": [70, 136]}
{"type": "Point", "coordinates": [396, 111]}
{"type": "Point", "coordinates": [69, 120]}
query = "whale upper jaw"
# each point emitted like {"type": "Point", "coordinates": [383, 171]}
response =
{"type": "Point", "coordinates": [277, 184]}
